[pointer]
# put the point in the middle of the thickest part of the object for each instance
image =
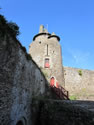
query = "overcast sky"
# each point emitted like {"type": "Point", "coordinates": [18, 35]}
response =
{"type": "Point", "coordinates": [72, 20]}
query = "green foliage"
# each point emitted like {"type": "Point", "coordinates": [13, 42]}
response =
{"type": "Point", "coordinates": [73, 97]}
{"type": "Point", "coordinates": [45, 74]}
{"type": "Point", "coordinates": [80, 72]}
{"type": "Point", "coordinates": [14, 28]}
{"type": "Point", "coordinates": [28, 56]}
{"type": "Point", "coordinates": [23, 48]}
{"type": "Point", "coordinates": [40, 67]}
{"type": "Point", "coordinates": [3, 21]}
{"type": "Point", "coordinates": [83, 89]}
{"type": "Point", "coordinates": [8, 27]}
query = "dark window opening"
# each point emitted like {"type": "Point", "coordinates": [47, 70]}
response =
{"type": "Point", "coordinates": [19, 123]}
{"type": "Point", "coordinates": [39, 42]}
{"type": "Point", "coordinates": [47, 65]}
{"type": "Point", "coordinates": [47, 49]}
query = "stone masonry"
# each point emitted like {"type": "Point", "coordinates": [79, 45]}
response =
{"type": "Point", "coordinates": [20, 81]}
{"type": "Point", "coordinates": [79, 82]}
{"type": "Point", "coordinates": [58, 112]}
{"type": "Point", "coordinates": [23, 85]}
{"type": "Point", "coordinates": [46, 46]}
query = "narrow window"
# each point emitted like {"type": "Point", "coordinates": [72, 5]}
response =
{"type": "Point", "coordinates": [39, 42]}
{"type": "Point", "coordinates": [47, 65]}
{"type": "Point", "coordinates": [47, 49]}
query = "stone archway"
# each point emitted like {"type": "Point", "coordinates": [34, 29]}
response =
{"type": "Point", "coordinates": [52, 81]}
{"type": "Point", "coordinates": [22, 121]}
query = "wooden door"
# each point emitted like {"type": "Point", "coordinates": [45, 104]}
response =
{"type": "Point", "coordinates": [52, 81]}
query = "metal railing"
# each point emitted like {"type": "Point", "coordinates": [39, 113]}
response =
{"type": "Point", "coordinates": [61, 92]}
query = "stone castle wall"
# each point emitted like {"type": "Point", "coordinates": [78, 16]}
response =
{"type": "Point", "coordinates": [58, 112]}
{"type": "Point", "coordinates": [79, 82]}
{"type": "Point", "coordinates": [20, 80]}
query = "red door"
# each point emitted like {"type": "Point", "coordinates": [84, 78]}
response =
{"type": "Point", "coordinates": [52, 82]}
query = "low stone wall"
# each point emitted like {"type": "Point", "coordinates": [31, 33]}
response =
{"type": "Point", "coordinates": [20, 80]}
{"type": "Point", "coordinates": [79, 82]}
{"type": "Point", "coordinates": [55, 112]}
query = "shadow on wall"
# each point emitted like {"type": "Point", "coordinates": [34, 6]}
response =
{"type": "Point", "coordinates": [63, 112]}
{"type": "Point", "coordinates": [20, 81]}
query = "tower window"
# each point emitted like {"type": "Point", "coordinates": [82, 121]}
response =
{"type": "Point", "coordinates": [39, 42]}
{"type": "Point", "coordinates": [47, 49]}
{"type": "Point", "coordinates": [47, 65]}
{"type": "Point", "coordinates": [19, 123]}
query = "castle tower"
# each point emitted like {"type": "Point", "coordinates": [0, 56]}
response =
{"type": "Point", "coordinates": [46, 52]}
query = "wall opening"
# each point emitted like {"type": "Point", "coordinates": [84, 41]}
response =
{"type": "Point", "coordinates": [47, 49]}
{"type": "Point", "coordinates": [20, 123]}
{"type": "Point", "coordinates": [47, 65]}
{"type": "Point", "coordinates": [39, 42]}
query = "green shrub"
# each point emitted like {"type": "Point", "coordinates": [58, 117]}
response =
{"type": "Point", "coordinates": [28, 56]}
{"type": "Point", "coordinates": [73, 97]}
{"type": "Point", "coordinates": [23, 48]}
{"type": "Point", "coordinates": [80, 72]}
{"type": "Point", "coordinates": [45, 74]}
{"type": "Point", "coordinates": [41, 67]}
{"type": "Point", "coordinates": [8, 27]}
{"type": "Point", "coordinates": [14, 29]}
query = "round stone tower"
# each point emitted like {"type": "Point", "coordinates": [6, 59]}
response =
{"type": "Point", "coordinates": [46, 52]}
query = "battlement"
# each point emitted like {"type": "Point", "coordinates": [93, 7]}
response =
{"type": "Point", "coordinates": [43, 32]}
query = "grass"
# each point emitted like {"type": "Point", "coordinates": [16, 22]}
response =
{"type": "Point", "coordinates": [73, 97]}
